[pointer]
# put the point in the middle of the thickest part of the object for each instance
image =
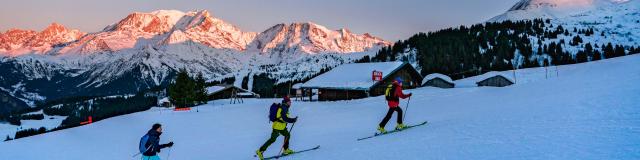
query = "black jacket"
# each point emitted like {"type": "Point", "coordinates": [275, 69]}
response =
{"type": "Point", "coordinates": [153, 143]}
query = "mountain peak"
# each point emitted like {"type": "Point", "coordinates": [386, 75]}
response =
{"type": "Point", "coordinates": [309, 37]}
{"type": "Point", "coordinates": [167, 13]}
{"type": "Point", "coordinates": [55, 27]}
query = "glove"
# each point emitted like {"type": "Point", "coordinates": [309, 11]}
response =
{"type": "Point", "coordinates": [295, 120]}
{"type": "Point", "coordinates": [166, 145]}
{"type": "Point", "coordinates": [410, 94]}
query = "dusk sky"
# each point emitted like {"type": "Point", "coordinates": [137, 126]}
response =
{"type": "Point", "coordinates": [389, 19]}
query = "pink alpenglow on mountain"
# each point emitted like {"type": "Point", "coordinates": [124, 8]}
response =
{"type": "Point", "coordinates": [169, 27]}
{"type": "Point", "coordinates": [16, 42]}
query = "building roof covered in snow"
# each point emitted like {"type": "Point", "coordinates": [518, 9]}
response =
{"type": "Point", "coordinates": [218, 88]}
{"type": "Point", "coordinates": [163, 100]}
{"type": "Point", "coordinates": [297, 86]}
{"type": "Point", "coordinates": [354, 76]}
{"type": "Point", "coordinates": [436, 75]}
{"type": "Point", "coordinates": [438, 80]}
{"type": "Point", "coordinates": [215, 89]}
{"type": "Point", "coordinates": [472, 81]}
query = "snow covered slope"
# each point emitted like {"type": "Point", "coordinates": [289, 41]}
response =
{"type": "Point", "coordinates": [591, 111]}
{"type": "Point", "coordinates": [612, 21]}
{"type": "Point", "coordinates": [552, 9]}
{"type": "Point", "coordinates": [144, 50]}
{"type": "Point", "coordinates": [616, 21]}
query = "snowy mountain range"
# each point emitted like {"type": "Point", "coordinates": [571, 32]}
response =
{"type": "Point", "coordinates": [144, 50]}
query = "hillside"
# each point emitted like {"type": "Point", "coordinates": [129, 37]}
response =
{"type": "Point", "coordinates": [589, 111]}
{"type": "Point", "coordinates": [587, 34]}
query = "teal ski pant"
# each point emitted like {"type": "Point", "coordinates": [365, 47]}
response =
{"type": "Point", "coordinates": [151, 157]}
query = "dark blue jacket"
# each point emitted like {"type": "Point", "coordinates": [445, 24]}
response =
{"type": "Point", "coordinates": [153, 143]}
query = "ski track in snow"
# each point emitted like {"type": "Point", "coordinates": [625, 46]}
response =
{"type": "Point", "coordinates": [590, 111]}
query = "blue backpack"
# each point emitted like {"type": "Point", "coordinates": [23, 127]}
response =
{"type": "Point", "coordinates": [143, 142]}
{"type": "Point", "coordinates": [273, 111]}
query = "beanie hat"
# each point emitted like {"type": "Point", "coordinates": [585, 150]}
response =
{"type": "Point", "coordinates": [286, 99]}
{"type": "Point", "coordinates": [398, 79]}
{"type": "Point", "coordinates": [155, 126]}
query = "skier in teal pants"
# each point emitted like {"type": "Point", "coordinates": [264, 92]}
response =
{"type": "Point", "coordinates": [152, 146]}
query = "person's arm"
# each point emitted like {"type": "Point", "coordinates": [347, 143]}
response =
{"type": "Point", "coordinates": [400, 94]}
{"type": "Point", "coordinates": [285, 116]}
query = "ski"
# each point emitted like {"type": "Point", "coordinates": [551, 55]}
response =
{"type": "Point", "coordinates": [296, 152]}
{"type": "Point", "coordinates": [393, 131]}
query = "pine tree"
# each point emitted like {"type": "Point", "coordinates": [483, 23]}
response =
{"type": "Point", "coordinates": [581, 57]}
{"type": "Point", "coordinates": [539, 51]}
{"type": "Point", "coordinates": [588, 50]}
{"type": "Point", "coordinates": [181, 92]}
{"type": "Point", "coordinates": [608, 51]}
{"type": "Point", "coordinates": [634, 50]}
{"type": "Point", "coordinates": [576, 40]}
{"type": "Point", "coordinates": [200, 89]}
{"type": "Point", "coordinates": [619, 51]}
{"type": "Point", "coordinates": [596, 55]}
{"type": "Point", "coordinates": [587, 33]}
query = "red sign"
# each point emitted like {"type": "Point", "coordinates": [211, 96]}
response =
{"type": "Point", "coordinates": [89, 121]}
{"type": "Point", "coordinates": [376, 75]}
{"type": "Point", "coordinates": [182, 109]}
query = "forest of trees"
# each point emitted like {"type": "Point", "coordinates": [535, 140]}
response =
{"type": "Point", "coordinates": [468, 51]}
{"type": "Point", "coordinates": [77, 109]}
{"type": "Point", "coordinates": [99, 108]}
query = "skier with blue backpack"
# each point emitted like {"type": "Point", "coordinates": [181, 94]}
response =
{"type": "Point", "coordinates": [279, 115]}
{"type": "Point", "coordinates": [150, 143]}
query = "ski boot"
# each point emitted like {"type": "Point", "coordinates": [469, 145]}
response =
{"type": "Point", "coordinates": [287, 152]}
{"type": "Point", "coordinates": [400, 126]}
{"type": "Point", "coordinates": [381, 129]}
{"type": "Point", "coordinates": [259, 154]}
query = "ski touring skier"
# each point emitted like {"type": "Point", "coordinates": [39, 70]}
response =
{"type": "Point", "coordinates": [279, 115]}
{"type": "Point", "coordinates": [393, 94]}
{"type": "Point", "coordinates": [150, 143]}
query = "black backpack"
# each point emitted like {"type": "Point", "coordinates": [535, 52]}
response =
{"type": "Point", "coordinates": [273, 111]}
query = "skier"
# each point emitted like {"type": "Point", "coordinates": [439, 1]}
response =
{"type": "Point", "coordinates": [279, 128]}
{"type": "Point", "coordinates": [393, 95]}
{"type": "Point", "coordinates": [151, 146]}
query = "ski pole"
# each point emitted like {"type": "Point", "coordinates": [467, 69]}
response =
{"type": "Point", "coordinates": [169, 154]}
{"type": "Point", "coordinates": [406, 111]}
